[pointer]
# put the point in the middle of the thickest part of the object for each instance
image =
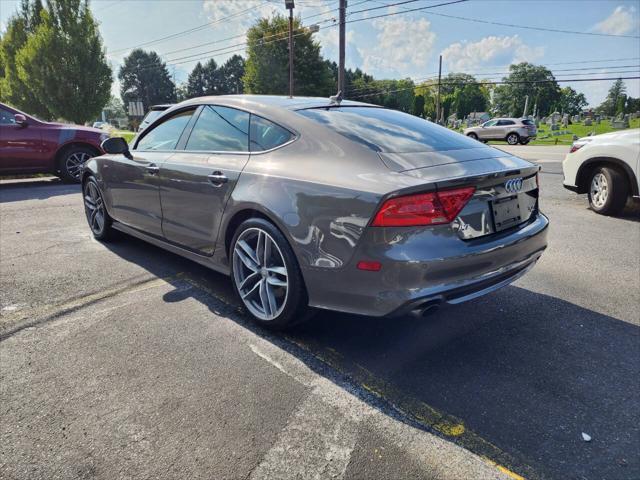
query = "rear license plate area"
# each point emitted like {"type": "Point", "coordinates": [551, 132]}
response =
{"type": "Point", "coordinates": [506, 213]}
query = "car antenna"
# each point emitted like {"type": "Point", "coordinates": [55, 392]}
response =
{"type": "Point", "coordinates": [337, 98]}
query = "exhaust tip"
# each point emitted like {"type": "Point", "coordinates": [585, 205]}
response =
{"type": "Point", "coordinates": [427, 308]}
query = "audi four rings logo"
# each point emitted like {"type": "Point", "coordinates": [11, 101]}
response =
{"type": "Point", "coordinates": [514, 185]}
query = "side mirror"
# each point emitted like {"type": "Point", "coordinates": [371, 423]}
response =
{"type": "Point", "coordinates": [20, 120]}
{"type": "Point", "coordinates": [116, 145]}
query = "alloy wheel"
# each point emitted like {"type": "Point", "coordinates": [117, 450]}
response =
{"type": "Point", "coordinates": [512, 139]}
{"type": "Point", "coordinates": [599, 190]}
{"type": "Point", "coordinates": [75, 162]}
{"type": "Point", "coordinates": [94, 208]}
{"type": "Point", "coordinates": [260, 273]}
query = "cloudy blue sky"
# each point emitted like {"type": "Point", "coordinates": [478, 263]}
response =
{"type": "Point", "coordinates": [401, 45]}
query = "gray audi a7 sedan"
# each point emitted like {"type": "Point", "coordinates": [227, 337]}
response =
{"type": "Point", "coordinates": [312, 202]}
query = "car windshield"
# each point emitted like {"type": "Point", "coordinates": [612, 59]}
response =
{"type": "Point", "coordinates": [388, 131]}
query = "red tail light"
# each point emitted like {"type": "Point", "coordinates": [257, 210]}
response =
{"type": "Point", "coordinates": [423, 209]}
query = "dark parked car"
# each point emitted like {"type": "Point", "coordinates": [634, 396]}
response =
{"type": "Point", "coordinates": [29, 145]}
{"type": "Point", "coordinates": [342, 206]}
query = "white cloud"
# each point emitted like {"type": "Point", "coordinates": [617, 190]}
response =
{"type": "Point", "coordinates": [403, 47]}
{"type": "Point", "coordinates": [621, 21]}
{"type": "Point", "coordinates": [243, 14]}
{"type": "Point", "coordinates": [465, 56]}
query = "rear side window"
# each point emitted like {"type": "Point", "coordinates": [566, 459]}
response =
{"type": "Point", "coordinates": [165, 136]}
{"type": "Point", "coordinates": [266, 135]}
{"type": "Point", "coordinates": [527, 122]}
{"type": "Point", "coordinates": [388, 131]}
{"type": "Point", "coordinates": [220, 129]}
{"type": "Point", "coordinates": [503, 123]}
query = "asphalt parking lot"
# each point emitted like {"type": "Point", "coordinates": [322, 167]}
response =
{"type": "Point", "coordinates": [124, 361]}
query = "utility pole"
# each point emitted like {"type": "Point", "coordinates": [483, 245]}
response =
{"type": "Point", "coordinates": [438, 96]}
{"type": "Point", "coordinates": [343, 14]}
{"type": "Point", "coordinates": [290, 6]}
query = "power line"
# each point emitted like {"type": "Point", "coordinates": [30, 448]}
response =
{"type": "Point", "coordinates": [517, 82]}
{"type": "Point", "coordinates": [225, 50]}
{"type": "Point", "coordinates": [432, 76]}
{"type": "Point", "coordinates": [188, 31]}
{"type": "Point", "coordinates": [330, 26]}
{"type": "Point", "coordinates": [245, 33]}
{"type": "Point", "coordinates": [512, 25]}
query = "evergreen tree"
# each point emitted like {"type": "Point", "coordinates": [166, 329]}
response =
{"type": "Point", "coordinates": [144, 77]}
{"type": "Point", "coordinates": [196, 83]}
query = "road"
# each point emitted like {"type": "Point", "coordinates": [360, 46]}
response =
{"type": "Point", "coordinates": [123, 361]}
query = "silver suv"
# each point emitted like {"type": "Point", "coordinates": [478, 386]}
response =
{"type": "Point", "coordinates": [512, 130]}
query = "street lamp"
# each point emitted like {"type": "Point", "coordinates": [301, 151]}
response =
{"type": "Point", "coordinates": [290, 6]}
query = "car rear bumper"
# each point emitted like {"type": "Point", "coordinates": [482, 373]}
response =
{"type": "Point", "coordinates": [426, 265]}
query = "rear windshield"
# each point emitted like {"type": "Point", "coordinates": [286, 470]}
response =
{"type": "Point", "coordinates": [527, 122]}
{"type": "Point", "coordinates": [388, 131]}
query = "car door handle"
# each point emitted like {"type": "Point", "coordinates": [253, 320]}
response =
{"type": "Point", "coordinates": [217, 179]}
{"type": "Point", "coordinates": [152, 169]}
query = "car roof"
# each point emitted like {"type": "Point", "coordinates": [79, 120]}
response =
{"type": "Point", "coordinates": [278, 101]}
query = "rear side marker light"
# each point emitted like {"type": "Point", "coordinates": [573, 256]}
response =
{"type": "Point", "coordinates": [576, 146]}
{"type": "Point", "coordinates": [435, 208]}
{"type": "Point", "coordinates": [369, 266]}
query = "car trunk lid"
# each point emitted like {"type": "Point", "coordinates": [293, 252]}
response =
{"type": "Point", "coordinates": [506, 194]}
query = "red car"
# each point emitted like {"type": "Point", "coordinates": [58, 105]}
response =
{"type": "Point", "coordinates": [29, 145]}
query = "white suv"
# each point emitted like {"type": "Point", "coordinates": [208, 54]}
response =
{"type": "Point", "coordinates": [606, 167]}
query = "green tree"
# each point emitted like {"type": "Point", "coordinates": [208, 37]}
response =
{"type": "Point", "coordinates": [396, 94]}
{"type": "Point", "coordinates": [613, 105]}
{"type": "Point", "coordinates": [632, 105]}
{"type": "Point", "coordinates": [418, 106]}
{"type": "Point", "coordinates": [462, 95]}
{"type": "Point", "coordinates": [525, 79]}
{"type": "Point", "coordinates": [144, 77]}
{"type": "Point", "coordinates": [231, 75]}
{"type": "Point", "coordinates": [196, 83]}
{"type": "Point", "coordinates": [213, 78]}
{"type": "Point", "coordinates": [181, 92]}
{"type": "Point", "coordinates": [267, 64]}
{"type": "Point", "coordinates": [63, 62]}
{"type": "Point", "coordinates": [571, 102]}
{"type": "Point", "coordinates": [13, 90]}
{"type": "Point", "coordinates": [114, 109]}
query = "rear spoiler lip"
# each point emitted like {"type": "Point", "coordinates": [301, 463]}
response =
{"type": "Point", "coordinates": [464, 180]}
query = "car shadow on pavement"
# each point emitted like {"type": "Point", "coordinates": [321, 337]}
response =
{"type": "Point", "coordinates": [35, 189]}
{"type": "Point", "coordinates": [515, 375]}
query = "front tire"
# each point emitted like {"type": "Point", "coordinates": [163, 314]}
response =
{"type": "Point", "coordinates": [513, 138]}
{"type": "Point", "coordinates": [72, 161]}
{"type": "Point", "coordinates": [266, 275]}
{"type": "Point", "coordinates": [608, 191]}
{"type": "Point", "coordinates": [97, 217]}
{"type": "Point", "coordinates": [472, 135]}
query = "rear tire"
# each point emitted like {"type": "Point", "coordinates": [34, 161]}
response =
{"type": "Point", "coordinates": [524, 141]}
{"type": "Point", "coordinates": [72, 161]}
{"type": "Point", "coordinates": [513, 138]}
{"type": "Point", "coordinates": [266, 275]}
{"type": "Point", "coordinates": [98, 219]}
{"type": "Point", "coordinates": [608, 191]}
